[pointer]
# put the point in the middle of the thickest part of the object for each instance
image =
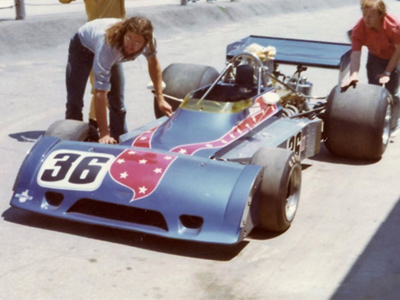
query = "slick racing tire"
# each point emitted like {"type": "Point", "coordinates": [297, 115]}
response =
{"type": "Point", "coordinates": [69, 130]}
{"type": "Point", "coordinates": [180, 79]}
{"type": "Point", "coordinates": [357, 121]}
{"type": "Point", "coordinates": [280, 187]}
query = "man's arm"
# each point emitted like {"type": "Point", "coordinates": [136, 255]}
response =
{"type": "Point", "coordinates": [100, 100]}
{"type": "Point", "coordinates": [156, 77]}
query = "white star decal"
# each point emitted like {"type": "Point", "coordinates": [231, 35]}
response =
{"type": "Point", "coordinates": [209, 145]}
{"type": "Point", "coordinates": [142, 190]}
{"type": "Point", "coordinates": [232, 135]}
{"type": "Point", "coordinates": [143, 138]}
{"type": "Point", "coordinates": [223, 141]}
{"type": "Point", "coordinates": [142, 161]}
{"type": "Point", "coordinates": [182, 151]}
{"type": "Point", "coordinates": [131, 152]}
{"type": "Point", "coordinates": [157, 170]}
{"type": "Point", "coordinates": [123, 175]}
{"type": "Point", "coordinates": [167, 157]}
{"type": "Point", "coordinates": [121, 161]}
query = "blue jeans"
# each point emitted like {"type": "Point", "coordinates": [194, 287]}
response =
{"type": "Point", "coordinates": [80, 62]}
{"type": "Point", "coordinates": [375, 66]}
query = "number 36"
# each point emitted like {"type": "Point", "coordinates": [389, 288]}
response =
{"type": "Point", "coordinates": [74, 170]}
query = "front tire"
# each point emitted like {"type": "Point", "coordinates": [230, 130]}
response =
{"type": "Point", "coordinates": [70, 130]}
{"type": "Point", "coordinates": [280, 187]}
{"type": "Point", "coordinates": [358, 121]}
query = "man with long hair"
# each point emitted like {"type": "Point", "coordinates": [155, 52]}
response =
{"type": "Point", "coordinates": [379, 31]}
{"type": "Point", "coordinates": [102, 44]}
{"type": "Point", "coordinates": [99, 9]}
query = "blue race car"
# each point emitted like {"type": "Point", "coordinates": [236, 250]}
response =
{"type": "Point", "coordinates": [226, 162]}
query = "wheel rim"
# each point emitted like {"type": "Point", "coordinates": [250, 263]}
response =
{"type": "Point", "coordinates": [293, 193]}
{"type": "Point", "coordinates": [386, 125]}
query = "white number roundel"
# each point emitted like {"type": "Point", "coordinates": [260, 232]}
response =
{"type": "Point", "coordinates": [77, 170]}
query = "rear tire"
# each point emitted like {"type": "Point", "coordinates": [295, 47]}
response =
{"type": "Point", "coordinates": [357, 122]}
{"type": "Point", "coordinates": [280, 187]}
{"type": "Point", "coordinates": [180, 79]}
{"type": "Point", "coordinates": [70, 130]}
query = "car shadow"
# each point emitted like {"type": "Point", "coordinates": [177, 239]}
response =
{"type": "Point", "coordinates": [260, 234]}
{"type": "Point", "coordinates": [376, 272]}
{"type": "Point", "coordinates": [27, 136]}
{"type": "Point", "coordinates": [124, 237]}
{"type": "Point", "coordinates": [325, 156]}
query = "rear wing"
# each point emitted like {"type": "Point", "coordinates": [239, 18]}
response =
{"type": "Point", "coordinates": [299, 52]}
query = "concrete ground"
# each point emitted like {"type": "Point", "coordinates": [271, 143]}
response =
{"type": "Point", "coordinates": [343, 244]}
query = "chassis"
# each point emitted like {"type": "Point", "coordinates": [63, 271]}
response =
{"type": "Point", "coordinates": [226, 162]}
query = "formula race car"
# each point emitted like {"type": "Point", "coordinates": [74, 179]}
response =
{"type": "Point", "coordinates": [226, 162]}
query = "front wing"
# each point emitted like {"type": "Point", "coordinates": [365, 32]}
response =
{"type": "Point", "coordinates": [161, 193]}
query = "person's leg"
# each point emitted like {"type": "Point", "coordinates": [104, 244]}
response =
{"type": "Point", "coordinates": [80, 61]}
{"type": "Point", "coordinates": [116, 103]}
{"type": "Point", "coordinates": [393, 84]}
{"type": "Point", "coordinates": [375, 66]}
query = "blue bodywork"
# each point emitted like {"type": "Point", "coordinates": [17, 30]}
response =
{"type": "Point", "coordinates": [185, 177]}
{"type": "Point", "coordinates": [187, 203]}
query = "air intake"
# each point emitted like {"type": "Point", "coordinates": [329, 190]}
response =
{"type": "Point", "coordinates": [120, 213]}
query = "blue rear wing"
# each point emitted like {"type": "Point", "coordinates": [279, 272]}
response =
{"type": "Point", "coordinates": [299, 52]}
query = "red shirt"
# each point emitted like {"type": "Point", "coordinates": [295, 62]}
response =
{"type": "Point", "coordinates": [379, 43]}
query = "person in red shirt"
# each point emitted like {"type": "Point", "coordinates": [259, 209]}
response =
{"type": "Point", "coordinates": [379, 31]}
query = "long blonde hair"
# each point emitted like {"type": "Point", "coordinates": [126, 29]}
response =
{"type": "Point", "coordinates": [139, 25]}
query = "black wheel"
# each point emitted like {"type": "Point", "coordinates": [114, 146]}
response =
{"type": "Point", "coordinates": [69, 130]}
{"type": "Point", "coordinates": [280, 187]}
{"type": "Point", "coordinates": [181, 79]}
{"type": "Point", "coordinates": [357, 122]}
